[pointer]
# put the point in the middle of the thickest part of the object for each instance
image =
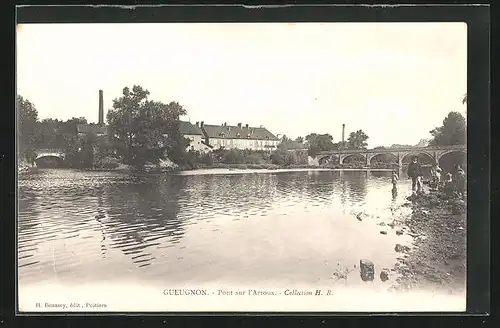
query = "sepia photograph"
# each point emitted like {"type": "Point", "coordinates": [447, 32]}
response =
{"type": "Point", "coordinates": [241, 167]}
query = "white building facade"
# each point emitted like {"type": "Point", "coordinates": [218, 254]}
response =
{"type": "Point", "coordinates": [239, 137]}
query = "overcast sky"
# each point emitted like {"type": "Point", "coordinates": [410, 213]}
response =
{"type": "Point", "coordinates": [395, 81]}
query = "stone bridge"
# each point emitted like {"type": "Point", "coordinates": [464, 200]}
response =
{"type": "Point", "coordinates": [58, 153]}
{"type": "Point", "coordinates": [434, 153]}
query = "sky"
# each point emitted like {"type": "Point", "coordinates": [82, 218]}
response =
{"type": "Point", "coordinates": [394, 81]}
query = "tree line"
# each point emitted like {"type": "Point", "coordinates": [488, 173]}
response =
{"type": "Point", "coordinates": [141, 130]}
{"type": "Point", "coordinates": [453, 131]}
{"type": "Point", "coordinates": [317, 143]}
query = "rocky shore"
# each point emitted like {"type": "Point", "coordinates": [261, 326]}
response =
{"type": "Point", "coordinates": [437, 258]}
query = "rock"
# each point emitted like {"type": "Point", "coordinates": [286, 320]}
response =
{"type": "Point", "coordinates": [367, 270]}
{"type": "Point", "coordinates": [383, 232]}
{"type": "Point", "coordinates": [457, 208]}
{"type": "Point", "coordinates": [384, 275]}
{"type": "Point", "coordinates": [399, 232]}
{"type": "Point", "coordinates": [401, 249]}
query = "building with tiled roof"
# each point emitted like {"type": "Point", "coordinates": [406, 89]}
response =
{"type": "Point", "coordinates": [195, 136]}
{"type": "Point", "coordinates": [239, 136]}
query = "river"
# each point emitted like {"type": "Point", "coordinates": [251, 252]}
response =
{"type": "Point", "coordinates": [248, 228]}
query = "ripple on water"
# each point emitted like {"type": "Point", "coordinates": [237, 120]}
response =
{"type": "Point", "coordinates": [244, 227]}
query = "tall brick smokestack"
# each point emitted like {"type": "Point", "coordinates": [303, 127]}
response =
{"type": "Point", "coordinates": [343, 135]}
{"type": "Point", "coordinates": [101, 108]}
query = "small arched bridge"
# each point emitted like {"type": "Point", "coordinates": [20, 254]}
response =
{"type": "Point", "coordinates": [434, 153]}
{"type": "Point", "coordinates": [44, 153]}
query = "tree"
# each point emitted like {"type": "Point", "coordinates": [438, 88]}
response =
{"type": "Point", "coordinates": [337, 145]}
{"type": "Point", "coordinates": [357, 140]}
{"type": "Point", "coordinates": [143, 130]}
{"type": "Point", "coordinates": [311, 137]}
{"type": "Point", "coordinates": [452, 132]}
{"type": "Point", "coordinates": [299, 140]}
{"type": "Point", "coordinates": [28, 118]}
{"type": "Point", "coordinates": [318, 143]}
{"type": "Point", "coordinates": [464, 99]}
{"type": "Point", "coordinates": [284, 158]}
{"type": "Point", "coordinates": [285, 139]}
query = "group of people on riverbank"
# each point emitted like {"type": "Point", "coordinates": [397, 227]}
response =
{"type": "Point", "coordinates": [454, 182]}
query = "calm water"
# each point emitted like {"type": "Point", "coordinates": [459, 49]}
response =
{"type": "Point", "coordinates": [206, 226]}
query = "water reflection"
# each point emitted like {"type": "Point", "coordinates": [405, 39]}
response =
{"type": "Point", "coordinates": [355, 185]}
{"type": "Point", "coordinates": [81, 226]}
{"type": "Point", "coordinates": [143, 215]}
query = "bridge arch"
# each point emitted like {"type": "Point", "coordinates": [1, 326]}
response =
{"type": "Point", "coordinates": [447, 159]}
{"type": "Point", "coordinates": [451, 151]}
{"type": "Point", "coordinates": [325, 157]}
{"type": "Point", "coordinates": [423, 156]}
{"type": "Point", "coordinates": [362, 157]}
{"type": "Point", "coordinates": [393, 157]}
{"type": "Point", "coordinates": [49, 161]}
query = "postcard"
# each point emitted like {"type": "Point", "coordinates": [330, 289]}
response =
{"type": "Point", "coordinates": [242, 167]}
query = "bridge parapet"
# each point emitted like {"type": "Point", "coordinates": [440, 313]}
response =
{"type": "Point", "coordinates": [393, 150]}
{"type": "Point", "coordinates": [434, 153]}
{"type": "Point", "coordinates": [50, 153]}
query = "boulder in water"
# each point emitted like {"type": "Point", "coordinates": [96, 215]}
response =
{"type": "Point", "coordinates": [384, 275]}
{"type": "Point", "coordinates": [400, 248]}
{"type": "Point", "coordinates": [367, 270]}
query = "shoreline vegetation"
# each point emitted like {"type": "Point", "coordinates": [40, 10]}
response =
{"type": "Point", "coordinates": [158, 168]}
{"type": "Point", "coordinates": [141, 134]}
{"type": "Point", "coordinates": [232, 159]}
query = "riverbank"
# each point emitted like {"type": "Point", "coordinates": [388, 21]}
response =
{"type": "Point", "coordinates": [437, 258]}
{"type": "Point", "coordinates": [26, 169]}
{"type": "Point", "coordinates": [283, 167]}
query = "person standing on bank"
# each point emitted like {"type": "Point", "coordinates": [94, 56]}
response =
{"type": "Point", "coordinates": [415, 173]}
{"type": "Point", "coordinates": [459, 179]}
{"type": "Point", "coordinates": [436, 174]}
{"type": "Point", "coordinates": [395, 179]}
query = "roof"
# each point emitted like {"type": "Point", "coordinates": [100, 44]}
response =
{"type": "Point", "coordinates": [189, 129]}
{"type": "Point", "coordinates": [91, 128]}
{"type": "Point", "coordinates": [237, 132]}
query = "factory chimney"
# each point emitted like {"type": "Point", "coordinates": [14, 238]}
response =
{"type": "Point", "coordinates": [343, 135]}
{"type": "Point", "coordinates": [101, 109]}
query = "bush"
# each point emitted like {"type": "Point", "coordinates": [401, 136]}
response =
{"type": "Point", "coordinates": [192, 159]}
{"type": "Point", "coordinates": [206, 159]}
{"type": "Point", "coordinates": [253, 158]}
{"type": "Point", "coordinates": [110, 163]}
{"type": "Point", "coordinates": [233, 156]}
{"type": "Point", "coordinates": [283, 158]}
{"type": "Point", "coordinates": [313, 151]}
